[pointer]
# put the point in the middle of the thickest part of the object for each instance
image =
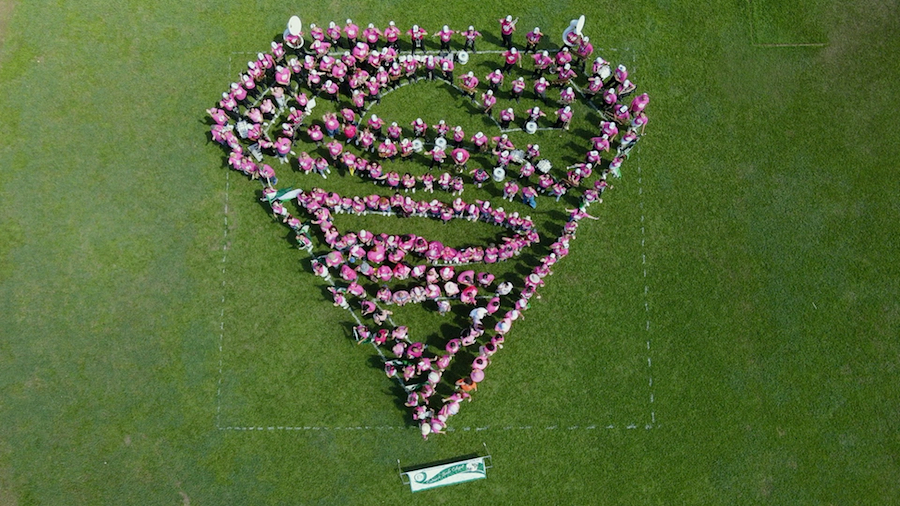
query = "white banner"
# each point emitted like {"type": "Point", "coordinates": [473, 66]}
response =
{"type": "Point", "coordinates": [447, 474]}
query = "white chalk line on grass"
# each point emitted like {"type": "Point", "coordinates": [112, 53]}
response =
{"type": "Point", "coordinates": [222, 312]}
{"type": "Point", "coordinates": [361, 428]}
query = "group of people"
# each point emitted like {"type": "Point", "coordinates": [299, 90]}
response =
{"type": "Point", "coordinates": [267, 111]}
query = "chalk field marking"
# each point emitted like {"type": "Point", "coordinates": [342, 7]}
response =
{"type": "Point", "coordinates": [356, 428]}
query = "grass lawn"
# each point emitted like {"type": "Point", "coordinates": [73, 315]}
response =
{"type": "Point", "coordinates": [726, 332]}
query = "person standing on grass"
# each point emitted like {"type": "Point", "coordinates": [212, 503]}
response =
{"type": "Point", "coordinates": [392, 35]}
{"type": "Point", "coordinates": [511, 58]}
{"type": "Point", "coordinates": [417, 38]}
{"type": "Point", "coordinates": [507, 27]}
{"type": "Point", "coordinates": [494, 80]}
{"type": "Point", "coordinates": [471, 34]}
{"type": "Point", "coordinates": [488, 100]}
{"type": "Point", "coordinates": [469, 82]}
{"type": "Point", "coordinates": [542, 62]}
{"type": "Point", "coordinates": [532, 39]}
{"type": "Point", "coordinates": [445, 34]}
{"type": "Point", "coordinates": [518, 87]}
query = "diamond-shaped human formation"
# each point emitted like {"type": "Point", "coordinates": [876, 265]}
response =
{"type": "Point", "coordinates": [272, 111]}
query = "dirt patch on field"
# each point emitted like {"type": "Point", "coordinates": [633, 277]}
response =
{"type": "Point", "coordinates": [6, 9]}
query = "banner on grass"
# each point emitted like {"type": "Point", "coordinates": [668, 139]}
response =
{"type": "Point", "coordinates": [447, 474]}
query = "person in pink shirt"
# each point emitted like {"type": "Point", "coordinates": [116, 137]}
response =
{"type": "Point", "coordinates": [410, 66]}
{"type": "Point", "coordinates": [349, 130]}
{"type": "Point", "coordinates": [639, 122]}
{"type": "Point", "coordinates": [333, 32]}
{"type": "Point", "coordinates": [609, 98]}
{"type": "Point", "coordinates": [445, 34]}
{"type": "Point", "coordinates": [481, 142]}
{"type": "Point", "coordinates": [335, 148]}
{"type": "Point", "coordinates": [394, 132]}
{"type": "Point", "coordinates": [584, 51]}
{"type": "Point", "coordinates": [387, 149]}
{"type": "Point", "coordinates": [441, 128]}
{"type": "Point", "coordinates": [316, 33]}
{"type": "Point", "coordinates": [437, 157]}
{"type": "Point", "coordinates": [518, 87]}
{"type": "Point", "coordinates": [620, 74]}
{"type": "Point", "coordinates": [507, 116]}
{"type": "Point", "coordinates": [469, 82]}
{"type": "Point", "coordinates": [392, 35]}
{"type": "Point", "coordinates": [511, 58]}
{"type": "Point", "coordinates": [470, 35]}
{"type": "Point", "coordinates": [331, 90]}
{"type": "Point", "coordinates": [542, 62]}
{"type": "Point", "coordinates": [639, 103]}
{"type": "Point", "coordinates": [565, 75]}
{"type": "Point", "coordinates": [609, 129]}
{"type": "Point", "coordinates": [507, 27]}
{"type": "Point", "coordinates": [366, 140]}
{"type": "Point", "coordinates": [621, 114]}
{"type": "Point", "coordinates": [564, 117]}
{"type": "Point", "coordinates": [376, 124]}
{"type": "Point", "coordinates": [510, 190]}
{"type": "Point", "coordinates": [419, 128]}
{"type": "Point", "coordinates": [458, 136]}
{"type": "Point", "coordinates": [417, 38]}
{"type": "Point", "coordinates": [374, 88]}
{"type": "Point", "coordinates": [315, 134]}
{"type": "Point", "coordinates": [460, 159]}
{"type": "Point", "coordinates": [625, 88]}
{"type": "Point", "coordinates": [447, 68]}
{"type": "Point", "coordinates": [567, 96]}
{"type": "Point", "coordinates": [532, 39]}
{"type": "Point", "coordinates": [494, 80]}
{"type": "Point", "coordinates": [351, 31]}
{"type": "Point", "coordinates": [540, 89]}
{"type": "Point", "coordinates": [371, 35]}
{"type": "Point", "coordinates": [488, 100]}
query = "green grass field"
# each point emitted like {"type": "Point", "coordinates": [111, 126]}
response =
{"type": "Point", "coordinates": [762, 205]}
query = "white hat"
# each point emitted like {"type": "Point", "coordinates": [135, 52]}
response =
{"type": "Point", "coordinates": [446, 28]}
{"type": "Point", "coordinates": [536, 147]}
{"type": "Point", "coordinates": [509, 110]}
{"type": "Point", "coordinates": [504, 136]}
{"type": "Point", "coordinates": [349, 21]}
{"type": "Point", "coordinates": [390, 23]}
{"type": "Point", "coordinates": [394, 123]}
{"type": "Point", "coordinates": [415, 28]}
{"type": "Point", "coordinates": [586, 39]}
{"type": "Point", "coordinates": [374, 117]}
{"type": "Point", "coordinates": [441, 122]}
{"type": "Point", "coordinates": [331, 24]}
{"type": "Point", "coordinates": [621, 67]}
{"type": "Point", "coordinates": [567, 109]}
{"type": "Point", "coordinates": [567, 66]}
{"type": "Point", "coordinates": [513, 50]}
{"type": "Point", "coordinates": [505, 153]}
{"type": "Point", "coordinates": [471, 74]}
{"type": "Point", "coordinates": [312, 25]}
{"type": "Point", "coordinates": [508, 18]}
{"type": "Point", "coordinates": [569, 89]}
{"type": "Point", "coordinates": [490, 92]}
{"type": "Point", "coordinates": [537, 30]}
{"type": "Point", "coordinates": [371, 25]}
{"type": "Point", "coordinates": [471, 27]}
{"type": "Point", "coordinates": [545, 53]}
